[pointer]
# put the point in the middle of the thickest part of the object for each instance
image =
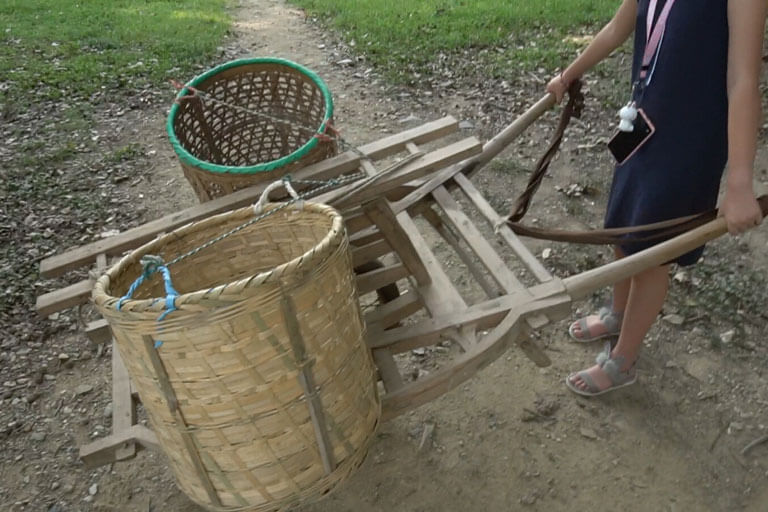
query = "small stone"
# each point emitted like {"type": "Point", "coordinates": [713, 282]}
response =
{"type": "Point", "coordinates": [107, 410]}
{"type": "Point", "coordinates": [727, 336]}
{"type": "Point", "coordinates": [55, 485]}
{"type": "Point", "coordinates": [83, 389]}
{"type": "Point", "coordinates": [92, 490]}
{"type": "Point", "coordinates": [419, 351]}
{"type": "Point", "coordinates": [85, 356]}
{"type": "Point", "coordinates": [466, 125]}
{"type": "Point", "coordinates": [674, 319]}
{"type": "Point", "coordinates": [546, 253]}
{"type": "Point", "coordinates": [63, 357]}
{"type": "Point", "coordinates": [410, 119]}
{"type": "Point", "coordinates": [38, 436]}
{"type": "Point", "coordinates": [345, 62]}
{"type": "Point", "coordinates": [66, 410]}
{"type": "Point", "coordinates": [588, 433]}
{"type": "Point", "coordinates": [68, 488]}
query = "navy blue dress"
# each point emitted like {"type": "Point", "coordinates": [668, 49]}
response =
{"type": "Point", "coordinates": [678, 170]}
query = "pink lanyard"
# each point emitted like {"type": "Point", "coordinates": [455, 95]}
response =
{"type": "Point", "coordinates": [654, 37]}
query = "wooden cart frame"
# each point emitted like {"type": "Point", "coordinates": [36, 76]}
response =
{"type": "Point", "coordinates": [386, 214]}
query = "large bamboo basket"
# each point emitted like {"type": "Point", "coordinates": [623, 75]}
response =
{"type": "Point", "coordinates": [276, 390]}
{"type": "Point", "coordinates": [256, 120]}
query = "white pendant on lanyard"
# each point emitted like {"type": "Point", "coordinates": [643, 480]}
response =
{"type": "Point", "coordinates": [628, 112]}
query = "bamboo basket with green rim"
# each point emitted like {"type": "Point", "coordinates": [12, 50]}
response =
{"type": "Point", "coordinates": [249, 121]}
{"type": "Point", "coordinates": [262, 392]}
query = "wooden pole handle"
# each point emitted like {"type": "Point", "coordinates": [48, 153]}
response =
{"type": "Point", "coordinates": [504, 138]}
{"type": "Point", "coordinates": [583, 284]}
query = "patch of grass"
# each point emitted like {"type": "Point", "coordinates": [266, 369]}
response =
{"type": "Point", "coordinates": [50, 50]}
{"type": "Point", "coordinates": [525, 34]}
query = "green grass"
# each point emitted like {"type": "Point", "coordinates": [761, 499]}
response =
{"type": "Point", "coordinates": [52, 49]}
{"type": "Point", "coordinates": [522, 34]}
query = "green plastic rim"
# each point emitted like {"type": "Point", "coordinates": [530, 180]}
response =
{"type": "Point", "coordinates": [190, 159]}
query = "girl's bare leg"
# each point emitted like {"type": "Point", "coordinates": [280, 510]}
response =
{"type": "Point", "coordinates": [595, 326]}
{"type": "Point", "coordinates": [647, 292]}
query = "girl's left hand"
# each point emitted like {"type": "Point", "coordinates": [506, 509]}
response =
{"type": "Point", "coordinates": [741, 210]}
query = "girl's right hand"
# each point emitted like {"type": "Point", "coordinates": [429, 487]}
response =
{"type": "Point", "coordinates": [557, 87]}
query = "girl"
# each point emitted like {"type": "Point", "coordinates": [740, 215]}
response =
{"type": "Point", "coordinates": [695, 80]}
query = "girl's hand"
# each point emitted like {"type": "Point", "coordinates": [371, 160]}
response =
{"type": "Point", "coordinates": [558, 87]}
{"type": "Point", "coordinates": [740, 209]}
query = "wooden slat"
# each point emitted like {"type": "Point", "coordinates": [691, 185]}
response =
{"type": "Point", "coordinates": [390, 375]}
{"type": "Point", "coordinates": [346, 162]}
{"type": "Point", "coordinates": [102, 451]}
{"type": "Point", "coordinates": [392, 312]}
{"type": "Point", "coordinates": [479, 245]}
{"type": "Point", "coordinates": [381, 214]}
{"type": "Point", "coordinates": [522, 252]}
{"type": "Point", "coordinates": [418, 168]}
{"type": "Point", "coordinates": [376, 279]}
{"type": "Point", "coordinates": [464, 254]}
{"type": "Point", "coordinates": [370, 252]}
{"type": "Point", "coordinates": [98, 331]}
{"type": "Point", "coordinates": [64, 298]}
{"type": "Point", "coordinates": [552, 303]}
{"type": "Point", "coordinates": [439, 296]}
{"type": "Point", "coordinates": [173, 405]}
{"type": "Point", "coordinates": [307, 381]}
{"type": "Point", "coordinates": [123, 406]}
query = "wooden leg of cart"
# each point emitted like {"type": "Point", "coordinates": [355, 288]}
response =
{"type": "Point", "coordinates": [127, 437]}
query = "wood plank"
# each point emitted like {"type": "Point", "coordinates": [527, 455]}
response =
{"type": "Point", "coordinates": [349, 161]}
{"type": "Point", "coordinates": [479, 316]}
{"type": "Point", "coordinates": [381, 214]}
{"type": "Point", "coordinates": [479, 245]}
{"type": "Point", "coordinates": [64, 298]}
{"type": "Point", "coordinates": [390, 375]}
{"type": "Point", "coordinates": [371, 281]}
{"type": "Point", "coordinates": [419, 167]}
{"type": "Point", "coordinates": [387, 315]}
{"type": "Point", "coordinates": [164, 382]}
{"type": "Point", "coordinates": [439, 296]}
{"type": "Point", "coordinates": [307, 381]}
{"type": "Point", "coordinates": [102, 451]}
{"type": "Point", "coordinates": [98, 331]}
{"type": "Point", "coordinates": [370, 252]}
{"type": "Point", "coordinates": [464, 254]}
{"type": "Point", "coordinates": [526, 257]}
{"type": "Point", "coordinates": [123, 405]}
{"type": "Point", "coordinates": [462, 368]}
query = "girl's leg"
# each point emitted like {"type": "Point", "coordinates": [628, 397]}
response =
{"type": "Point", "coordinates": [647, 292]}
{"type": "Point", "coordinates": [595, 325]}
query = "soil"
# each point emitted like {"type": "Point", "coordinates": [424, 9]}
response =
{"type": "Point", "coordinates": [511, 438]}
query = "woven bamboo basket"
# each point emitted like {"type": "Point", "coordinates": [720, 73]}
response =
{"type": "Point", "coordinates": [262, 392]}
{"type": "Point", "coordinates": [253, 120]}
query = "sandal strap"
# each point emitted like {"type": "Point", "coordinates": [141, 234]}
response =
{"type": "Point", "coordinates": [612, 368]}
{"type": "Point", "coordinates": [610, 318]}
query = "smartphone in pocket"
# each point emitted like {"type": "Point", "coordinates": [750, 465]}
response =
{"type": "Point", "coordinates": [624, 144]}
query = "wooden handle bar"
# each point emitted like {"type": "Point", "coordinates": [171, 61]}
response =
{"type": "Point", "coordinates": [504, 138]}
{"type": "Point", "coordinates": [583, 284]}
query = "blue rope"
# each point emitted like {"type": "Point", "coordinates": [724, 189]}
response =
{"type": "Point", "coordinates": [152, 265]}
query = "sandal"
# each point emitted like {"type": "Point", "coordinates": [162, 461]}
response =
{"type": "Point", "coordinates": [609, 319]}
{"type": "Point", "coordinates": [611, 366]}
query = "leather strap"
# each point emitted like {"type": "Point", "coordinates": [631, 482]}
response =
{"type": "Point", "coordinates": [612, 236]}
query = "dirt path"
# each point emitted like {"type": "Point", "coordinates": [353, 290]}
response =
{"type": "Point", "coordinates": [671, 443]}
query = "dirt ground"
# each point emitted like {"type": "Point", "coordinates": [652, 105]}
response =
{"type": "Point", "coordinates": [511, 438]}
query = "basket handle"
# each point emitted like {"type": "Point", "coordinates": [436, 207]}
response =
{"type": "Point", "coordinates": [285, 182]}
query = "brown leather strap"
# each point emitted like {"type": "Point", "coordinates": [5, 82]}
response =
{"type": "Point", "coordinates": [573, 108]}
{"type": "Point", "coordinates": [617, 236]}
{"type": "Point", "coordinates": [613, 236]}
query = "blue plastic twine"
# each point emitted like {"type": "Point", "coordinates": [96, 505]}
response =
{"type": "Point", "coordinates": [152, 265]}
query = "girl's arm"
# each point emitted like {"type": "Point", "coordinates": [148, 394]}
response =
{"type": "Point", "coordinates": [746, 22]}
{"type": "Point", "coordinates": [608, 39]}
